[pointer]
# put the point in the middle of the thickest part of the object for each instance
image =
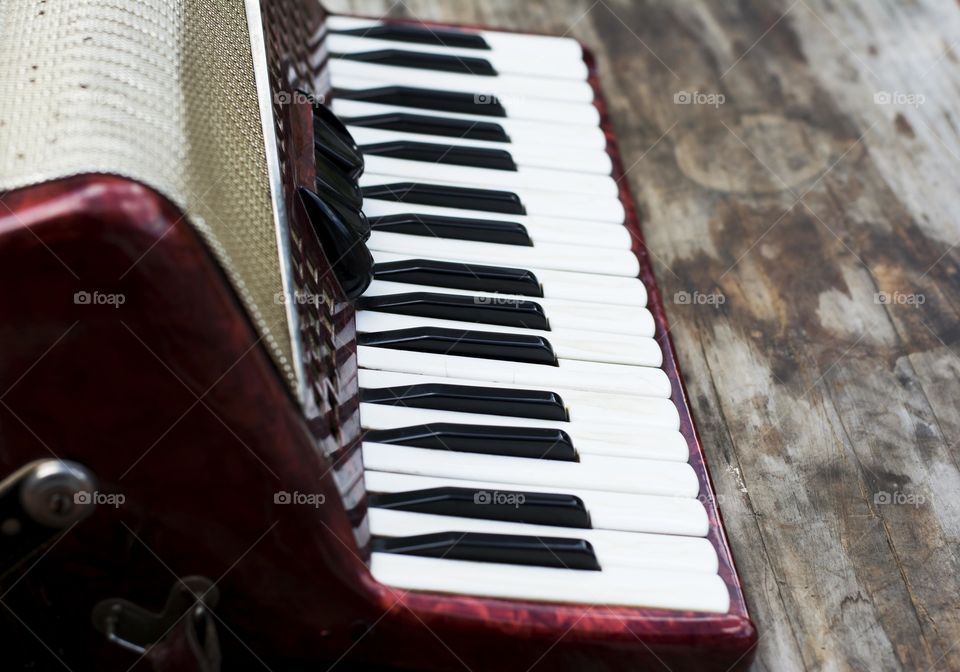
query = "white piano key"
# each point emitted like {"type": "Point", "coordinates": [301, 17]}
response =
{"type": "Point", "coordinates": [533, 89]}
{"type": "Point", "coordinates": [542, 230]}
{"type": "Point", "coordinates": [560, 312]}
{"type": "Point", "coordinates": [605, 289]}
{"type": "Point", "coordinates": [608, 510]}
{"type": "Point", "coordinates": [571, 258]}
{"type": "Point", "coordinates": [521, 131]}
{"type": "Point", "coordinates": [593, 287]}
{"type": "Point", "coordinates": [572, 373]}
{"type": "Point", "coordinates": [561, 232]}
{"type": "Point", "coordinates": [612, 548]}
{"type": "Point", "coordinates": [516, 63]}
{"type": "Point", "coordinates": [658, 589]}
{"type": "Point", "coordinates": [581, 406]}
{"type": "Point", "coordinates": [590, 346]}
{"type": "Point", "coordinates": [515, 106]}
{"type": "Point", "coordinates": [649, 443]}
{"type": "Point", "coordinates": [535, 201]}
{"type": "Point", "coordinates": [524, 177]}
{"type": "Point", "coordinates": [572, 159]}
{"type": "Point", "coordinates": [592, 472]}
{"type": "Point", "coordinates": [547, 47]}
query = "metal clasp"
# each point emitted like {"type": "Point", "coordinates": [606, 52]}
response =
{"type": "Point", "coordinates": [135, 629]}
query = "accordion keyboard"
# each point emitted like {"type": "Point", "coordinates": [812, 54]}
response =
{"type": "Point", "coordinates": [520, 437]}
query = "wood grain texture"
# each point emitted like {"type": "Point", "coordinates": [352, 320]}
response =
{"type": "Point", "coordinates": [804, 227]}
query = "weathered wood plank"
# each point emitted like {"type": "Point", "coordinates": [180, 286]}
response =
{"type": "Point", "coordinates": [779, 218]}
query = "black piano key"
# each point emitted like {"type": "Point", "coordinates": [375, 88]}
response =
{"type": "Point", "coordinates": [334, 141]}
{"type": "Point", "coordinates": [420, 35]}
{"type": "Point", "coordinates": [425, 125]}
{"type": "Point", "coordinates": [466, 198]}
{"type": "Point", "coordinates": [479, 103]}
{"type": "Point", "coordinates": [456, 275]}
{"type": "Point", "coordinates": [537, 443]}
{"type": "Point", "coordinates": [459, 228]}
{"type": "Point", "coordinates": [502, 548]}
{"type": "Point", "coordinates": [479, 309]}
{"type": "Point", "coordinates": [403, 58]}
{"type": "Point", "coordinates": [342, 244]}
{"type": "Point", "coordinates": [475, 157]}
{"type": "Point", "coordinates": [531, 508]}
{"type": "Point", "coordinates": [536, 404]}
{"type": "Point", "coordinates": [462, 343]}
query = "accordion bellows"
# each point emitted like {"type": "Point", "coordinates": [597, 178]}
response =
{"type": "Point", "coordinates": [139, 92]}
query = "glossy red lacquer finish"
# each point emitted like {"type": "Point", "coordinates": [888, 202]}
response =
{"type": "Point", "coordinates": [171, 401]}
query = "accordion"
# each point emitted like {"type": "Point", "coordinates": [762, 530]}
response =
{"type": "Point", "coordinates": [343, 328]}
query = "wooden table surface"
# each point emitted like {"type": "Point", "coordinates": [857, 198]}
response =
{"type": "Point", "coordinates": [796, 163]}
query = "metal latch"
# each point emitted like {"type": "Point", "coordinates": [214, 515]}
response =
{"type": "Point", "coordinates": [136, 629]}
